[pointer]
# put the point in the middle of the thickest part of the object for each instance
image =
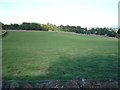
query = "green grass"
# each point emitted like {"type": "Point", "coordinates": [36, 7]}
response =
{"type": "Point", "coordinates": [50, 55]}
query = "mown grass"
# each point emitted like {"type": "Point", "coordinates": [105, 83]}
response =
{"type": "Point", "coordinates": [49, 55]}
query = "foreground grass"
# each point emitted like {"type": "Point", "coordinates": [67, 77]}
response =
{"type": "Point", "coordinates": [48, 55]}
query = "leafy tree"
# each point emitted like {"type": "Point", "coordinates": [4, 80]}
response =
{"type": "Point", "coordinates": [67, 28]}
{"type": "Point", "coordinates": [118, 31]}
{"type": "Point", "coordinates": [30, 26]}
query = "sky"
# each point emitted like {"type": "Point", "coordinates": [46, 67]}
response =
{"type": "Point", "coordinates": [85, 13]}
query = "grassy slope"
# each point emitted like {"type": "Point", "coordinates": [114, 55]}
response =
{"type": "Point", "coordinates": [47, 55]}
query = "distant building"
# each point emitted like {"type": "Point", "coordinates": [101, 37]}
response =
{"type": "Point", "coordinates": [88, 28]}
{"type": "Point", "coordinates": [114, 29]}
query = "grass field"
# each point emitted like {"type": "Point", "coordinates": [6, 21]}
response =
{"type": "Point", "coordinates": [51, 55]}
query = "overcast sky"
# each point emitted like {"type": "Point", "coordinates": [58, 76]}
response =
{"type": "Point", "coordinates": [85, 13]}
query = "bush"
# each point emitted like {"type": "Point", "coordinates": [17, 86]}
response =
{"type": "Point", "coordinates": [118, 36]}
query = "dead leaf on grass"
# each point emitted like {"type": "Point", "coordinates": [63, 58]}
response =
{"type": "Point", "coordinates": [39, 69]}
{"type": "Point", "coordinates": [25, 63]}
{"type": "Point", "coordinates": [14, 70]}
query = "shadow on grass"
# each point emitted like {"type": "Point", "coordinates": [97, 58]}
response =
{"type": "Point", "coordinates": [66, 68]}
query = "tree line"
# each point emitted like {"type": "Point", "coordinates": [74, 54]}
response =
{"type": "Point", "coordinates": [67, 28]}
